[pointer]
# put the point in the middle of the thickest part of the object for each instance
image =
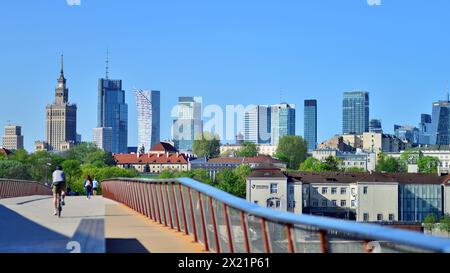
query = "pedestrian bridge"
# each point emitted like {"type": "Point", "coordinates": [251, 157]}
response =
{"type": "Point", "coordinates": [180, 216]}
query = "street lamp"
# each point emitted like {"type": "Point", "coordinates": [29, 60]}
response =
{"type": "Point", "coordinates": [48, 165]}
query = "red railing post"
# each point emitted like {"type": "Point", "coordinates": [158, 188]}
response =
{"type": "Point", "coordinates": [155, 191]}
{"type": "Point", "coordinates": [163, 205]}
{"type": "Point", "coordinates": [194, 226]}
{"type": "Point", "coordinates": [166, 187]}
{"type": "Point", "coordinates": [213, 216]}
{"type": "Point", "coordinates": [265, 235]}
{"type": "Point", "coordinates": [202, 214]}
{"type": "Point", "coordinates": [290, 239]}
{"type": "Point", "coordinates": [323, 241]}
{"type": "Point", "coordinates": [227, 222]}
{"type": "Point", "coordinates": [175, 206]}
{"type": "Point", "coordinates": [155, 215]}
{"type": "Point", "coordinates": [186, 230]}
{"type": "Point", "coordinates": [245, 232]}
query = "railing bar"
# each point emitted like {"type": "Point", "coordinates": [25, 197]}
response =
{"type": "Point", "coordinates": [166, 187]}
{"type": "Point", "coordinates": [163, 204]}
{"type": "Point", "coordinates": [265, 235]}
{"type": "Point", "coordinates": [202, 214]}
{"type": "Point", "coordinates": [213, 216]}
{"type": "Point", "coordinates": [194, 227]}
{"type": "Point", "coordinates": [227, 222]}
{"type": "Point", "coordinates": [175, 205]}
{"type": "Point", "coordinates": [155, 191]}
{"type": "Point", "coordinates": [290, 239]}
{"type": "Point", "coordinates": [245, 232]}
{"type": "Point", "coordinates": [186, 230]}
{"type": "Point", "coordinates": [323, 241]}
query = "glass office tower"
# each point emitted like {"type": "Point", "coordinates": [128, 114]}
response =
{"type": "Point", "coordinates": [257, 125]}
{"type": "Point", "coordinates": [440, 132]}
{"type": "Point", "coordinates": [375, 126]}
{"type": "Point", "coordinates": [356, 112]}
{"type": "Point", "coordinates": [282, 121]}
{"type": "Point", "coordinates": [188, 124]}
{"type": "Point", "coordinates": [148, 118]}
{"type": "Point", "coordinates": [310, 124]}
{"type": "Point", "coordinates": [113, 112]}
{"type": "Point", "coordinates": [425, 129]}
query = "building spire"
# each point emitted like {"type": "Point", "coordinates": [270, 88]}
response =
{"type": "Point", "coordinates": [107, 63]}
{"type": "Point", "coordinates": [62, 65]}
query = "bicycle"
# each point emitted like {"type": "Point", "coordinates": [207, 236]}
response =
{"type": "Point", "coordinates": [59, 206]}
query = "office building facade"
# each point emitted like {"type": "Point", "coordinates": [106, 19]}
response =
{"type": "Point", "coordinates": [425, 129]}
{"type": "Point", "coordinates": [310, 124]}
{"type": "Point", "coordinates": [12, 137]}
{"type": "Point", "coordinates": [148, 118]}
{"type": "Point", "coordinates": [282, 121]}
{"type": "Point", "coordinates": [188, 123]}
{"type": "Point", "coordinates": [356, 112]}
{"type": "Point", "coordinates": [375, 126]}
{"type": "Point", "coordinates": [257, 125]}
{"type": "Point", "coordinates": [102, 138]}
{"type": "Point", "coordinates": [440, 132]}
{"type": "Point", "coordinates": [407, 133]}
{"type": "Point", "coordinates": [113, 112]}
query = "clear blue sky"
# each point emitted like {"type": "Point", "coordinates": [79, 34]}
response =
{"type": "Point", "coordinates": [229, 52]}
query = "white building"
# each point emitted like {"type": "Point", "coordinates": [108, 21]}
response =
{"type": "Point", "coordinates": [359, 159]}
{"type": "Point", "coordinates": [102, 138]}
{"type": "Point", "coordinates": [148, 118]}
{"type": "Point", "coordinates": [12, 138]}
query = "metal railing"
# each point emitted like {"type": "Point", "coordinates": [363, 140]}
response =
{"type": "Point", "coordinates": [224, 223]}
{"type": "Point", "coordinates": [10, 188]}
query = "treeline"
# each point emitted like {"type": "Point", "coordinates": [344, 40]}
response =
{"type": "Point", "coordinates": [80, 161]}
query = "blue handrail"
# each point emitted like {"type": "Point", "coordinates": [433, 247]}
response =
{"type": "Point", "coordinates": [363, 230]}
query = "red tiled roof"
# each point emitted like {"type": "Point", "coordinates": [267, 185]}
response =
{"type": "Point", "coordinates": [247, 160]}
{"type": "Point", "coordinates": [163, 147]}
{"type": "Point", "coordinates": [5, 151]}
{"type": "Point", "coordinates": [150, 159]}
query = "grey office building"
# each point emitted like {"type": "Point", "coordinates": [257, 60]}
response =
{"type": "Point", "coordinates": [375, 126]}
{"type": "Point", "coordinates": [355, 112]}
{"type": "Point", "coordinates": [113, 112]}
{"type": "Point", "coordinates": [425, 129]}
{"type": "Point", "coordinates": [310, 125]}
{"type": "Point", "coordinates": [440, 128]}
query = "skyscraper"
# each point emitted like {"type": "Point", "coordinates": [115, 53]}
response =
{"type": "Point", "coordinates": [113, 112]}
{"type": "Point", "coordinates": [148, 118]}
{"type": "Point", "coordinates": [188, 124]}
{"type": "Point", "coordinates": [282, 121]}
{"type": "Point", "coordinates": [425, 129]}
{"type": "Point", "coordinates": [440, 128]}
{"type": "Point", "coordinates": [407, 133]}
{"type": "Point", "coordinates": [375, 126]}
{"type": "Point", "coordinates": [257, 125]}
{"type": "Point", "coordinates": [13, 139]}
{"type": "Point", "coordinates": [61, 118]}
{"type": "Point", "coordinates": [355, 112]}
{"type": "Point", "coordinates": [102, 138]}
{"type": "Point", "coordinates": [310, 124]}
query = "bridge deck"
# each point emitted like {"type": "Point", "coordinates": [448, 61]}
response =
{"type": "Point", "coordinates": [27, 224]}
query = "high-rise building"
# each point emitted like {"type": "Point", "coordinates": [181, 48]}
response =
{"type": "Point", "coordinates": [310, 124]}
{"type": "Point", "coordinates": [113, 112]}
{"type": "Point", "coordinates": [355, 112]}
{"type": "Point", "coordinates": [407, 133]}
{"type": "Point", "coordinates": [425, 129]}
{"type": "Point", "coordinates": [375, 126]}
{"type": "Point", "coordinates": [257, 125]}
{"type": "Point", "coordinates": [102, 138]}
{"type": "Point", "coordinates": [148, 118]}
{"type": "Point", "coordinates": [12, 138]}
{"type": "Point", "coordinates": [188, 124]}
{"type": "Point", "coordinates": [282, 121]}
{"type": "Point", "coordinates": [61, 133]}
{"type": "Point", "coordinates": [440, 128]}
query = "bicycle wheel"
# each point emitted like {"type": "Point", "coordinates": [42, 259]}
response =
{"type": "Point", "coordinates": [59, 206]}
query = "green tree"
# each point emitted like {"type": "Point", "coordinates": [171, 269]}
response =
{"type": "Point", "coordinates": [71, 169]}
{"type": "Point", "coordinates": [20, 155]}
{"type": "Point", "coordinates": [430, 222]}
{"type": "Point", "coordinates": [248, 149]}
{"type": "Point", "coordinates": [207, 146]}
{"type": "Point", "coordinates": [388, 164]}
{"type": "Point", "coordinates": [428, 164]}
{"type": "Point", "coordinates": [88, 153]}
{"type": "Point", "coordinates": [444, 225]}
{"type": "Point", "coordinates": [311, 164]}
{"type": "Point", "coordinates": [292, 150]}
{"type": "Point", "coordinates": [13, 169]}
{"type": "Point", "coordinates": [332, 164]}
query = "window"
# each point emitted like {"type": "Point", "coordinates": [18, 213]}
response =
{"type": "Point", "coordinates": [379, 217]}
{"type": "Point", "coordinates": [278, 204]}
{"type": "Point", "coordinates": [273, 188]}
{"type": "Point", "coordinates": [343, 190]}
{"type": "Point", "coordinates": [365, 190]}
{"type": "Point", "coordinates": [334, 202]}
{"type": "Point", "coordinates": [324, 190]}
{"type": "Point", "coordinates": [343, 203]}
{"type": "Point", "coordinates": [324, 203]}
{"type": "Point", "coordinates": [353, 203]}
{"type": "Point", "coordinates": [391, 217]}
{"type": "Point", "coordinates": [315, 190]}
{"type": "Point", "coordinates": [333, 190]}
{"type": "Point", "coordinates": [366, 217]}
{"type": "Point", "coordinates": [315, 203]}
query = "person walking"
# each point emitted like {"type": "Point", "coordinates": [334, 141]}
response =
{"type": "Point", "coordinates": [94, 186]}
{"type": "Point", "coordinates": [88, 187]}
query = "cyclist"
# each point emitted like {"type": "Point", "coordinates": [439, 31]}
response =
{"type": "Point", "coordinates": [58, 186]}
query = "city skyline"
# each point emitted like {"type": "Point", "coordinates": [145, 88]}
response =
{"type": "Point", "coordinates": [396, 60]}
